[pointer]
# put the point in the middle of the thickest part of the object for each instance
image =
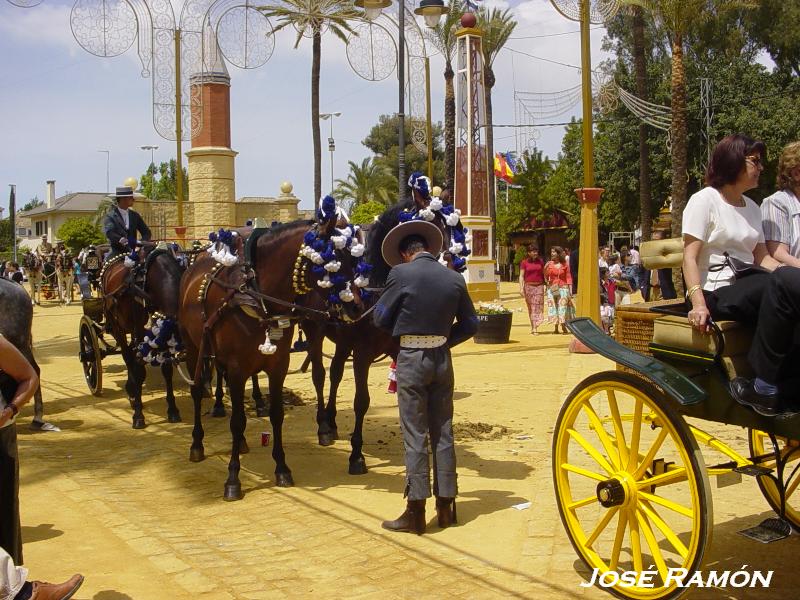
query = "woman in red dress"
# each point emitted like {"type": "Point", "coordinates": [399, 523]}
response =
{"type": "Point", "coordinates": [531, 286]}
{"type": "Point", "coordinates": [559, 289]}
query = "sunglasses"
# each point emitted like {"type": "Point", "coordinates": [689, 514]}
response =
{"type": "Point", "coordinates": [755, 161]}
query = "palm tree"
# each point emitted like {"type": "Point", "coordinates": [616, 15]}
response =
{"type": "Point", "coordinates": [497, 26]}
{"type": "Point", "coordinates": [443, 38]}
{"type": "Point", "coordinates": [640, 68]}
{"type": "Point", "coordinates": [309, 17]}
{"type": "Point", "coordinates": [369, 182]}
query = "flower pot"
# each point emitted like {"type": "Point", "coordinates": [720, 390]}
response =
{"type": "Point", "coordinates": [493, 329]}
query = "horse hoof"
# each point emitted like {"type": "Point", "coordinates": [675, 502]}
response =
{"type": "Point", "coordinates": [326, 439]}
{"type": "Point", "coordinates": [218, 411]}
{"type": "Point", "coordinates": [243, 447]}
{"type": "Point", "coordinates": [197, 454]}
{"type": "Point", "coordinates": [233, 491]}
{"type": "Point", "coordinates": [284, 480]}
{"type": "Point", "coordinates": [262, 411]}
{"type": "Point", "coordinates": [174, 417]}
{"type": "Point", "coordinates": [358, 467]}
{"type": "Point", "coordinates": [138, 423]}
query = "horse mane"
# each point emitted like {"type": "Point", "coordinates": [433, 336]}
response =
{"type": "Point", "coordinates": [377, 232]}
{"type": "Point", "coordinates": [276, 232]}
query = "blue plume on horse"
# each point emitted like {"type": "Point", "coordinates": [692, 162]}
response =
{"type": "Point", "coordinates": [318, 245]}
{"type": "Point", "coordinates": [334, 299]}
{"type": "Point", "coordinates": [309, 237]}
{"type": "Point", "coordinates": [458, 235]}
{"type": "Point", "coordinates": [405, 216]}
{"type": "Point", "coordinates": [447, 209]}
{"type": "Point", "coordinates": [365, 294]}
{"type": "Point", "coordinates": [328, 254]}
{"type": "Point", "coordinates": [327, 209]}
{"type": "Point", "coordinates": [419, 182]}
{"type": "Point", "coordinates": [212, 237]}
{"type": "Point", "coordinates": [249, 223]}
{"type": "Point", "coordinates": [459, 263]}
{"type": "Point", "coordinates": [338, 281]}
{"type": "Point", "coordinates": [363, 268]}
{"type": "Point", "coordinates": [318, 270]}
{"type": "Point", "coordinates": [226, 237]}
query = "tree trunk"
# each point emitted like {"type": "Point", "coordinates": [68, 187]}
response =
{"type": "Point", "coordinates": [315, 66]}
{"type": "Point", "coordinates": [449, 126]}
{"type": "Point", "coordinates": [489, 81]}
{"type": "Point", "coordinates": [678, 135]}
{"type": "Point", "coordinates": [640, 65]}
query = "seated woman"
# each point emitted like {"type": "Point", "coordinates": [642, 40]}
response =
{"type": "Point", "coordinates": [719, 219]}
{"type": "Point", "coordinates": [780, 213]}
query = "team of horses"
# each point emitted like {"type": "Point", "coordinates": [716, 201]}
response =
{"type": "Point", "coordinates": [44, 275]}
{"type": "Point", "coordinates": [223, 312]}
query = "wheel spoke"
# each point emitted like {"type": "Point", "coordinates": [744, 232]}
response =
{"type": "Point", "coordinates": [636, 543]}
{"type": "Point", "coordinates": [599, 458]}
{"type": "Point", "coordinates": [668, 478]}
{"type": "Point", "coordinates": [584, 472]}
{"type": "Point", "coordinates": [618, 539]}
{"type": "Point", "coordinates": [581, 503]}
{"type": "Point", "coordinates": [651, 453]}
{"type": "Point", "coordinates": [665, 529]}
{"type": "Point", "coordinates": [636, 429]}
{"type": "Point", "coordinates": [792, 487]}
{"type": "Point", "coordinates": [602, 435]}
{"type": "Point", "coordinates": [619, 433]}
{"type": "Point", "coordinates": [652, 543]}
{"type": "Point", "coordinates": [674, 506]}
{"type": "Point", "coordinates": [601, 525]}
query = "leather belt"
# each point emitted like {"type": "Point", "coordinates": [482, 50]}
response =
{"type": "Point", "coordinates": [422, 341]}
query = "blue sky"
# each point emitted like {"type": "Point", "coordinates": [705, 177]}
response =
{"type": "Point", "coordinates": [60, 104]}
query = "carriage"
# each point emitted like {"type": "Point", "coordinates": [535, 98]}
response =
{"type": "Point", "coordinates": [632, 485]}
{"type": "Point", "coordinates": [93, 345]}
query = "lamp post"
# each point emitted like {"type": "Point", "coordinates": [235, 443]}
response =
{"type": "Point", "coordinates": [152, 149]}
{"type": "Point", "coordinates": [331, 144]}
{"type": "Point", "coordinates": [108, 168]}
{"type": "Point", "coordinates": [431, 10]}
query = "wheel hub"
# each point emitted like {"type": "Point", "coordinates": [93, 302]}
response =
{"type": "Point", "coordinates": [611, 493]}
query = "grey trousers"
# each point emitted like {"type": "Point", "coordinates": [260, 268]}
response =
{"type": "Point", "coordinates": [425, 398]}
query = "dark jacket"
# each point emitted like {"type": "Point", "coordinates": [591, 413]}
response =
{"type": "Point", "coordinates": [114, 228]}
{"type": "Point", "coordinates": [423, 297]}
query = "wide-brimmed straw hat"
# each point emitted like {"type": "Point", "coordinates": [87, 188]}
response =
{"type": "Point", "coordinates": [391, 243]}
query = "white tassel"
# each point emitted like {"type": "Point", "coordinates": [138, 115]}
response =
{"type": "Point", "coordinates": [435, 205]}
{"type": "Point", "coordinates": [453, 218]}
{"type": "Point", "coordinates": [339, 241]}
{"type": "Point", "coordinates": [456, 248]}
{"type": "Point", "coordinates": [129, 263]}
{"type": "Point", "coordinates": [316, 258]}
{"type": "Point", "coordinates": [333, 266]}
{"type": "Point", "coordinates": [267, 347]}
{"type": "Point", "coordinates": [325, 282]}
{"type": "Point", "coordinates": [346, 295]}
{"type": "Point", "coordinates": [357, 249]}
{"type": "Point", "coordinates": [427, 214]}
{"type": "Point", "coordinates": [361, 281]}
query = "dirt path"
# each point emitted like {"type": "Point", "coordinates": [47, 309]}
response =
{"type": "Point", "coordinates": [130, 511]}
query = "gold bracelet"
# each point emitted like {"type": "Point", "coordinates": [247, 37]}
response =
{"type": "Point", "coordinates": [692, 290]}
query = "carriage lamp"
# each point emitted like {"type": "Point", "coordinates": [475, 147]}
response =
{"type": "Point", "coordinates": [431, 11]}
{"type": "Point", "coordinates": [372, 8]}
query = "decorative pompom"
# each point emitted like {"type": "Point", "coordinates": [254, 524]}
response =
{"type": "Point", "coordinates": [405, 216]}
{"type": "Point", "coordinates": [267, 347]}
{"type": "Point", "coordinates": [427, 214]}
{"type": "Point", "coordinates": [316, 258]}
{"type": "Point", "coordinates": [453, 218]}
{"type": "Point", "coordinates": [346, 295]}
{"type": "Point", "coordinates": [334, 299]}
{"type": "Point", "coordinates": [333, 266]}
{"type": "Point", "coordinates": [459, 264]}
{"type": "Point", "coordinates": [212, 237]}
{"type": "Point", "coordinates": [357, 250]}
{"type": "Point", "coordinates": [309, 237]}
{"type": "Point", "coordinates": [339, 241]}
{"type": "Point", "coordinates": [435, 205]}
{"type": "Point", "coordinates": [129, 263]}
{"type": "Point", "coordinates": [361, 281]}
{"type": "Point", "coordinates": [363, 267]}
{"type": "Point", "coordinates": [327, 209]}
{"type": "Point", "coordinates": [325, 282]}
{"type": "Point", "coordinates": [456, 248]}
{"type": "Point", "coordinates": [318, 270]}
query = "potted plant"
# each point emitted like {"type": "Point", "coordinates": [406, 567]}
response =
{"type": "Point", "coordinates": [494, 324]}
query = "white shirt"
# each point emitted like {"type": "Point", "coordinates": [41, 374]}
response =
{"type": "Point", "coordinates": [125, 217]}
{"type": "Point", "coordinates": [635, 258]}
{"type": "Point", "coordinates": [721, 227]}
{"type": "Point", "coordinates": [780, 218]}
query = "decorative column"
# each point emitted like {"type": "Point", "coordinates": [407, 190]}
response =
{"type": "Point", "coordinates": [588, 299]}
{"type": "Point", "coordinates": [212, 188]}
{"type": "Point", "coordinates": [471, 191]}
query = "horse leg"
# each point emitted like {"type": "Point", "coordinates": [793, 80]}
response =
{"type": "Point", "coordinates": [337, 372]}
{"type": "Point", "coordinates": [218, 410]}
{"type": "Point", "coordinates": [198, 387]}
{"type": "Point", "coordinates": [361, 364]}
{"type": "Point", "coordinates": [136, 376]}
{"type": "Point", "coordinates": [283, 475]}
{"type": "Point", "coordinates": [325, 435]}
{"type": "Point", "coordinates": [233, 487]}
{"type": "Point", "coordinates": [173, 414]}
{"type": "Point", "coordinates": [258, 398]}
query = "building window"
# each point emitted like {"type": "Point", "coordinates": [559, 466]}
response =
{"type": "Point", "coordinates": [41, 228]}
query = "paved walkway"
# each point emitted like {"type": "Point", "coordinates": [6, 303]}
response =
{"type": "Point", "coordinates": [130, 511]}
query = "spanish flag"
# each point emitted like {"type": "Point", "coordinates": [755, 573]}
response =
{"type": "Point", "coordinates": [503, 168]}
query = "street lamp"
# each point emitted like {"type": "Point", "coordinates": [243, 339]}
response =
{"type": "Point", "coordinates": [372, 10]}
{"type": "Point", "coordinates": [152, 149]}
{"type": "Point", "coordinates": [331, 144]}
{"type": "Point", "coordinates": [108, 167]}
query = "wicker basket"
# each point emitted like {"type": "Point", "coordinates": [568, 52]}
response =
{"type": "Point", "coordinates": [633, 324]}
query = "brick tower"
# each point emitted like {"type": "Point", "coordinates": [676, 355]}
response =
{"type": "Point", "coordinates": [212, 189]}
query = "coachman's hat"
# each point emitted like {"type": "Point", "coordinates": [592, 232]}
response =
{"type": "Point", "coordinates": [124, 191]}
{"type": "Point", "coordinates": [428, 231]}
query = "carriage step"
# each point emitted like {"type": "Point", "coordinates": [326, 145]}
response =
{"type": "Point", "coordinates": [753, 470]}
{"type": "Point", "coordinates": [770, 530]}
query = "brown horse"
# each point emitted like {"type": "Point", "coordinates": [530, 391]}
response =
{"type": "Point", "coordinates": [127, 308]}
{"type": "Point", "coordinates": [226, 312]}
{"type": "Point", "coordinates": [34, 269]}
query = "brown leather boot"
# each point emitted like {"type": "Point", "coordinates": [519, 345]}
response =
{"type": "Point", "coordinates": [56, 591]}
{"type": "Point", "coordinates": [446, 511]}
{"type": "Point", "coordinates": [411, 521]}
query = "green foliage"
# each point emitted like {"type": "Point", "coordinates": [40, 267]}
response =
{"type": "Point", "coordinates": [366, 212]}
{"type": "Point", "coordinates": [79, 232]}
{"type": "Point", "coordinates": [31, 204]}
{"type": "Point", "coordinates": [6, 236]}
{"type": "Point", "coordinates": [368, 182]}
{"type": "Point", "coordinates": [165, 187]}
{"type": "Point", "coordinates": [519, 255]}
{"type": "Point", "coordinates": [382, 140]}
{"type": "Point", "coordinates": [528, 200]}
{"type": "Point", "coordinates": [775, 26]}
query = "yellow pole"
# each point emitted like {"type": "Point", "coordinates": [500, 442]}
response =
{"type": "Point", "coordinates": [178, 128]}
{"type": "Point", "coordinates": [428, 124]}
{"type": "Point", "coordinates": [588, 300]}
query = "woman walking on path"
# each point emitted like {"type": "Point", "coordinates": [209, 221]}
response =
{"type": "Point", "coordinates": [559, 289]}
{"type": "Point", "coordinates": [531, 286]}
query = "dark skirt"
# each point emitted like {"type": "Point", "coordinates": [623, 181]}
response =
{"type": "Point", "coordinates": [10, 528]}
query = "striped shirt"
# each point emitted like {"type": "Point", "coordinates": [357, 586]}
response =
{"type": "Point", "coordinates": [780, 218]}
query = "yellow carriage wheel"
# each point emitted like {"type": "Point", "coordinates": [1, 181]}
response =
{"type": "Point", "coordinates": [760, 444]}
{"type": "Point", "coordinates": [631, 485]}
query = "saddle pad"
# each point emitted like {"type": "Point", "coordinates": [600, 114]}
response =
{"type": "Point", "coordinates": [676, 332]}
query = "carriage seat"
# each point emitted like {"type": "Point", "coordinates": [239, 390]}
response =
{"type": "Point", "coordinates": [662, 254]}
{"type": "Point", "coordinates": [674, 337]}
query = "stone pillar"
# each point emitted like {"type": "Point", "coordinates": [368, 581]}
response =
{"type": "Point", "coordinates": [588, 299]}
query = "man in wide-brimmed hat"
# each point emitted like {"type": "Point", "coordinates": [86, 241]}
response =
{"type": "Point", "coordinates": [45, 249]}
{"type": "Point", "coordinates": [421, 300]}
{"type": "Point", "coordinates": [122, 223]}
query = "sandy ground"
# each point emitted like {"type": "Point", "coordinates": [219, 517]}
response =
{"type": "Point", "coordinates": [128, 509]}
